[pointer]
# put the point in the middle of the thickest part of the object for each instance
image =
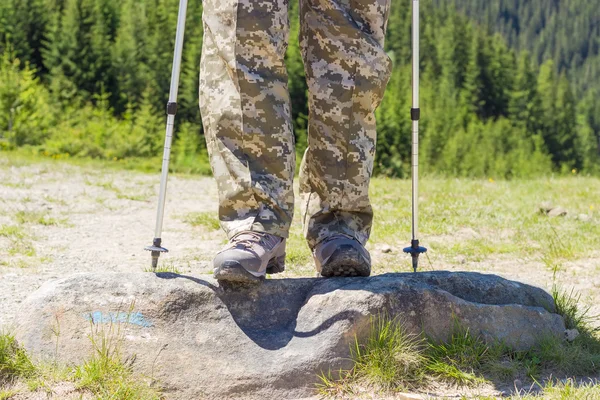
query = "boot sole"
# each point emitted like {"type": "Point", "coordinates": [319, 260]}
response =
{"type": "Point", "coordinates": [346, 262]}
{"type": "Point", "coordinates": [233, 271]}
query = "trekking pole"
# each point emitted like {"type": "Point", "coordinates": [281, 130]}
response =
{"type": "Point", "coordinates": [156, 247]}
{"type": "Point", "coordinates": [415, 250]}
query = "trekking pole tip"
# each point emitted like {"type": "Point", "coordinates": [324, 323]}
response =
{"type": "Point", "coordinates": [415, 251]}
{"type": "Point", "coordinates": [156, 250]}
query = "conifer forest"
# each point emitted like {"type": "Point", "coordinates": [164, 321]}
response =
{"type": "Point", "coordinates": [509, 88]}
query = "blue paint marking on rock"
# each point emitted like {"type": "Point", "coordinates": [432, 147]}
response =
{"type": "Point", "coordinates": [134, 318]}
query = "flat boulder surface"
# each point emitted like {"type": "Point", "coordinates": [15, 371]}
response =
{"type": "Point", "coordinates": [203, 340]}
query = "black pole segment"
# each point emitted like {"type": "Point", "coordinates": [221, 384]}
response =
{"type": "Point", "coordinates": [155, 253]}
{"type": "Point", "coordinates": [415, 114]}
{"type": "Point", "coordinates": [171, 108]}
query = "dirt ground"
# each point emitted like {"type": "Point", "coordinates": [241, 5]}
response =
{"type": "Point", "coordinates": [81, 220]}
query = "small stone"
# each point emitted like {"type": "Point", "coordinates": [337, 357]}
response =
{"type": "Point", "coordinates": [571, 334]}
{"type": "Point", "coordinates": [557, 212]}
{"type": "Point", "coordinates": [583, 217]}
{"type": "Point", "coordinates": [546, 207]}
{"type": "Point", "coordinates": [461, 259]}
{"type": "Point", "coordinates": [466, 233]}
{"type": "Point", "coordinates": [386, 249]}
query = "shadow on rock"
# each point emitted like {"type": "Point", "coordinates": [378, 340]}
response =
{"type": "Point", "coordinates": [267, 313]}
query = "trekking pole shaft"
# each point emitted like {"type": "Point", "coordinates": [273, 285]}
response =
{"type": "Point", "coordinates": [415, 122]}
{"type": "Point", "coordinates": [171, 111]}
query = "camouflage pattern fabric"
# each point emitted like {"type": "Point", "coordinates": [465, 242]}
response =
{"type": "Point", "coordinates": [246, 113]}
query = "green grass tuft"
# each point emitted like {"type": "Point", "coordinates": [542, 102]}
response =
{"type": "Point", "coordinates": [165, 268]}
{"type": "Point", "coordinates": [390, 359]}
{"type": "Point", "coordinates": [106, 373]}
{"type": "Point", "coordinates": [568, 389]}
{"type": "Point", "coordinates": [12, 232]}
{"type": "Point", "coordinates": [7, 394]}
{"type": "Point", "coordinates": [459, 358]}
{"type": "Point", "coordinates": [14, 362]}
{"type": "Point", "coordinates": [20, 242]}
{"type": "Point", "coordinates": [208, 220]}
{"type": "Point", "coordinates": [35, 217]}
{"type": "Point", "coordinates": [568, 305]}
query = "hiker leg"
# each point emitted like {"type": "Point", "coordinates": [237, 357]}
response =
{"type": "Point", "coordinates": [347, 71]}
{"type": "Point", "coordinates": [246, 113]}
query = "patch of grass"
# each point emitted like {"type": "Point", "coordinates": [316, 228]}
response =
{"type": "Point", "coordinates": [55, 200]}
{"type": "Point", "coordinates": [14, 362]}
{"type": "Point", "coordinates": [18, 263]}
{"type": "Point", "coordinates": [582, 356]}
{"type": "Point", "coordinates": [477, 249]}
{"type": "Point", "coordinates": [22, 247]}
{"type": "Point", "coordinates": [458, 360]}
{"type": "Point", "coordinates": [17, 185]}
{"type": "Point", "coordinates": [391, 356]}
{"type": "Point", "coordinates": [35, 217]}
{"type": "Point", "coordinates": [503, 213]}
{"type": "Point", "coordinates": [7, 394]}
{"type": "Point", "coordinates": [106, 374]}
{"type": "Point", "coordinates": [568, 305]}
{"type": "Point", "coordinates": [297, 251]}
{"type": "Point", "coordinates": [390, 359]}
{"type": "Point", "coordinates": [46, 259]}
{"type": "Point", "coordinates": [20, 243]}
{"type": "Point", "coordinates": [208, 220]}
{"type": "Point", "coordinates": [565, 390]}
{"type": "Point", "coordinates": [165, 268]}
{"type": "Point", "coordinates": [133, 197]}
{"type": "Point", "coordinates": [556, 249]}
{"type": "Point", "coordinates": [12, 232]}
{"type": "Point", "coordinates": [126, 194]}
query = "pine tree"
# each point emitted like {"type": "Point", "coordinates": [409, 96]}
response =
{"type": "Point", "coordinates": [24, 24]}
{"type": "Point", "coordinates": [548, 93]}
{"type": "Point", "coordinates": [472, 101]}
{"type": "Point", "coordinates": [588, 144]}
{"type": "Point", "coordinates": [566, 156]}
{"type": "Point", "coordinates": [129, 56]}
{"type": "Point", "coordinates": [26, 114]}
{"type": "Point", "coordinates": [162, 20]}
{"type": "Point", "coordinates": [190, 78]}
{"type": "Point", "coordinates": [525, 103]}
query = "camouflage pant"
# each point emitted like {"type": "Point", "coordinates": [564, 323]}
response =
{"type": "Point", "coordinates": [247, 118]}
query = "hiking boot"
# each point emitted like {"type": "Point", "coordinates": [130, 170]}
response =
{"type": "Point", "coordinates": [249, 256]}
{"type": "Point", "coordinates": [342, 255]}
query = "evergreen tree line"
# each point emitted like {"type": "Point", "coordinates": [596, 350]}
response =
{"type": "Point", "coordinates": [487, 109]}
{"type": "Point", "coordinates": [91, 78]}
{"type": "Point", "coordinates": [566, 31]}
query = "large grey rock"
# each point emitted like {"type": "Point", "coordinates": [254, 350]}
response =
{"type": "Point", "coordinates": [200, 340]}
